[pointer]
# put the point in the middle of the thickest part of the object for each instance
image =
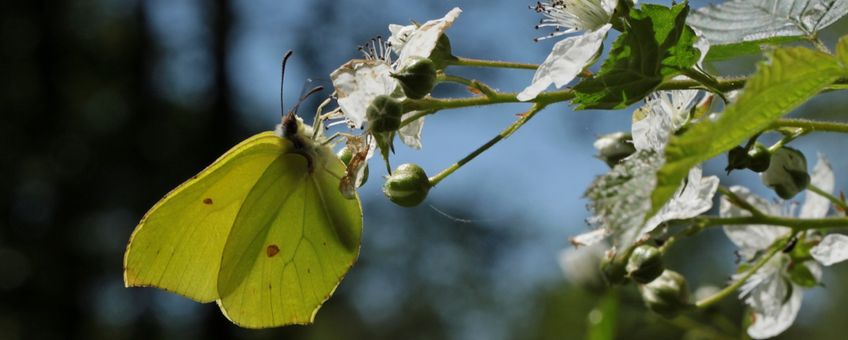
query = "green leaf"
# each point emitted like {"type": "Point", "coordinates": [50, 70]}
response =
{"type": "Point", "coordinates": [788, 79]}
{"type": "Point", "coordinates": [753, 21]}
{"type": "Point", "coordinates": [656, 45]}
{"type": "Point", "coordinates": [842, 51]}
{"type": "Point", "coordinates": [730, 51]}
{"type": "Point", "coordinates": [620, 198]}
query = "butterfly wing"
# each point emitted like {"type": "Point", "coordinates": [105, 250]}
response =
{"type": "Point", "coordinates": [292, 242]}
{"type": "Point", "coordinates": [177, 246]}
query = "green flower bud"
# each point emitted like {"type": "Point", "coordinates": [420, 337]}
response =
{"type": "Point", "coordinates": [667, 295]}
{"type": "Point", "coordinates": [645, 264]}
{"type": "Point", "coordinates": [345, 155]}
{"type": "Point", "coordinates": [407, 186]}
{"type": "Point", "coordinates": [384, 114]}
{"type": "Point", "coordinates": [418, 78]}
{"type": "Point", "coordinates": [787, 173]}
{"type": "Point", "coordinates": [737, 158]}
{"type": "Point", "coordinates": [613, 268]}
{"type": "Point", "coordinates": [614, 147]}
{"type": "Point", "coordinates": [760, 158]}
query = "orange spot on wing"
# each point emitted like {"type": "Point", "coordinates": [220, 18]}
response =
{"type": "Point", "coordinates": [207, 201]}
{"type": "Point", "coordinates": [272, 250]}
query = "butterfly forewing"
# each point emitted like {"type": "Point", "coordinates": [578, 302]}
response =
{"type": "Point", "coordinates": [177, 246]}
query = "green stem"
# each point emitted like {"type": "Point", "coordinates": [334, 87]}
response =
{"type": "Point", "coordinates": [740, 202]}
{"type": "Point", "coordinates": [710, 300]}
{"type": "Point", "coordinates": [818, 44]}
{"type": "Point", "coordinates": [470, 83]}
{"type": "Point", "coordinates": [830, 197]}
{"type": "Point", "coordinates": [787, 139]}
{"type": "Point", "coordinates": [792, 222]}
{"type": "Point", "coordinates": [497, 98]}
{"type": "Point", "coordinates": [502, 135]}
{"type": "Point", "coordinates": [810, 125]}
{"type": "Point", "coordinates": [460, 61]}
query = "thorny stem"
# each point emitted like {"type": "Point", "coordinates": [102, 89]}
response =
{"type": "Point", "coordinates": [708, 301]}
{"type": "Point", "coordinates": [502, 135]}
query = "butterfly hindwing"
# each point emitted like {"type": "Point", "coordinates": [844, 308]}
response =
{"type": "Point", "coordinates": [291, 243]}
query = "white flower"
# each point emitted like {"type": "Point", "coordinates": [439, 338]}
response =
{"type": "Point", "coordinates": [663, 113]}
{"type": "Point", "coordinates": [359, 81]}
{"type": "Point", "coordinates": [691, 199]}
{"type": "Point", "coordinates": [570, 55]}
{"type": "Point", "coordinates": [766, 291]}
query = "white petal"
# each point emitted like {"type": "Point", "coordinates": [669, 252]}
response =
{"type": "Point", "coordinates": [581, 266]}
{"type": "Point", "coordinates": [690, 200]}
{"type": "Point", "coordinates": [590, 238]}
{"type": "Point", "coordinates": [703, 45]}
{"type": "Point", "coordinates": [750, 238]}
{"type": "Point", "coordinates": [567, 59]}
{"type": "Point", "coordinates": [423, 40]}
{"type": "Point", "coordinates": [771, 315]}
{"type": "Point", "coordinates": [400, 35]}
{"type": "Point", "coordinates": [833, 248]}
{"type": "Point", "coordinates": [663, 113]}
{"type": "Point", "coordinates": [411, 133]}
{"type": "Point", "coordinates": [357, 83]}
{"type": "Point", "coordinates": [815, 205]}
{"type": "Point", "coordinates": [609, 5]}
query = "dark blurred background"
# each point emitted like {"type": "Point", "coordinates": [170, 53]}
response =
{"type": "Point", "coordinates": [106, 105]}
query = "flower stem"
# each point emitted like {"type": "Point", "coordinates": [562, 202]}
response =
{"type": "Point", "coordinates": [830, 197]}
{"type": "Point", "coordinates": [502, 135]}
{"type": "Point", "coordinates": [710, 300]}
{"type": "Point", "coordinates": [472, 84]}
{"type": "Point", "coordinates": [460, 61]}
{"type": "Point", "coordinates": [739, 202]}
{"type": "Point", "coordinates": [811, 125]}
{"type": "Point", "coordinates": [496, 98]}
{"type": "Point", "coordinates": [793, 222]}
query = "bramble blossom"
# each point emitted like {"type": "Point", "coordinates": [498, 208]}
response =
{"type": "Point", "coordinates": [359, 81]}
{"type": "Point", "coordinates": [571, 55]}
{"type": "Point", "coordinates": [774, 299]}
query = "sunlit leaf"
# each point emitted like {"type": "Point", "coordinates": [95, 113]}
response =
{"type": "Point", "coordinates": [739, 27]}
{"type": "Point", "coordinates": [656, 45]}
{"type": "Point", "coordinates": [788, 79]}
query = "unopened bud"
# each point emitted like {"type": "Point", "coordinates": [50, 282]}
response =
{"type": "Point", "coordinates": [613, 268]}
{"type": "Point", "coordinates": [787, 173]}
{"type": "Point", "coordinates": [407, 186]}
{"type": "Point", "coordinates": [667, 295]}
{"type": "Point", "coordinates": [614, 147]}
{"type": "Point", "coordinates": [384, 114]}
{"type": "Point", "coordinates": [645, 264]}
{"type": "Point", "coordinates": [417, 78]}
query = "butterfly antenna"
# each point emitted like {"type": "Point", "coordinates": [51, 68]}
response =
{"type": "Point", "coordinates": [282, 80]}
{"type": "Point", "coordinates": [314, 90]}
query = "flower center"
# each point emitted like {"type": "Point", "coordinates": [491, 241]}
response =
{"type": "Point", "coordinates": [377, 49]}
{"type": "Point", "coordinates": [567, 16]}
